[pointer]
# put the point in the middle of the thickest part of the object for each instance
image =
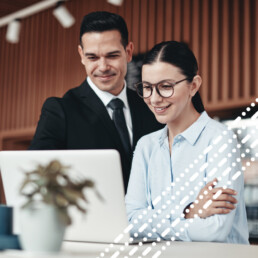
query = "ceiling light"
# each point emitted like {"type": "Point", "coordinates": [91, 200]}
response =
{"type": "Point", "coordinates": [115, 2]}
{"type": "Point", "coordinates": [63, 16]}
{"type": "Point", "coordinates": [13, 31]}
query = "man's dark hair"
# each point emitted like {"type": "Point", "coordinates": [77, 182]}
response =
{"type": "Point", "coordinates": [104, 21]}
{"type": "Point", "coordinates": [181, 56]}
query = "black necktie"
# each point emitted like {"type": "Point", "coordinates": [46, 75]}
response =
{"type": "Point", "coordinates": [119, 119]}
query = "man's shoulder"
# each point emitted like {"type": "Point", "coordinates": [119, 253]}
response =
{"type": "Point", "coordinates": [52, 102]}
{"type": "Point", "coordinates": [76, 91]}
{"type": "Point", "coordinates": [133, 96]}
{"type": "Point", "coordinates": [58, 104]}
{"type": "Point", "coordinates": [135, 102]}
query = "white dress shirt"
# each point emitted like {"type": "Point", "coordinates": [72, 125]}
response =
{"type": "Point", "coordinates": [106, 97]}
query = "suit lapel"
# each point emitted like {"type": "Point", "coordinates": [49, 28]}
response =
{"type": "Point", "coordinates": [136, 119]}
{"type": "Point", "coordinates": [89, 98]}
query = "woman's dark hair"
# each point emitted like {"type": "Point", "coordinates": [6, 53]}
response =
{"type": "Point", "coordinates": [104, 21]}
{"type": "Point", "coordinates": [181, 56]}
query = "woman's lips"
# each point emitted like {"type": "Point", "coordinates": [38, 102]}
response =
{"type": "Point", "coordinates": [160, 110]}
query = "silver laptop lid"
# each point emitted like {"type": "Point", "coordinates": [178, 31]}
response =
{"type": "Point", "coordinates": [104, 221]}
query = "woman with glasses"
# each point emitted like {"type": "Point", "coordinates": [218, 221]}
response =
{"type": "Point", "coordinates": [168, 197]}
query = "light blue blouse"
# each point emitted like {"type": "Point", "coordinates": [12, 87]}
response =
{"type": "Point", "coordinates": [162, 185]}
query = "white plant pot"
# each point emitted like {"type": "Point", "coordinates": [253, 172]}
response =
{"type": "Point", "coordinates": [41, 229]}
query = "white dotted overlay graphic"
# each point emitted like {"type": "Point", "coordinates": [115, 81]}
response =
{"type": "Point", "coordinates": [141, 226]}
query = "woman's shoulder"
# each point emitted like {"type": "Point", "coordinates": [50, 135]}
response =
{"type": "Point", "coordinates": [149, 140]}
{"type": "Point", "coordinates": [149, 144]}
{"type": "Point", "coordinates": [216, 128]}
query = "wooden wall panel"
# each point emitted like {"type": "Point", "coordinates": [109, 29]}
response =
{"type": "Point", "coordinates": [143, 22]}
{"type": "Point", "coordinates": [177, 20]}
{"type": "Point", "coordinates": [136, 36]}
{"type": "Point", "coordinates": [160, 22]}
{"type": "Point", "coordinates": [222, 33]}
{"type": "Point", "coordinates": [168, 19]}
{"type": "Point", "coordinates": [205, 49]}
{"type": "Point", "coordinates": [195, 22]}
{"type": "Point", "coordinates": [186, 18]}
{"type": "Point", "coordinates": [225, 78]}
{"type": "Point", "coordinates": [215, 52]}
{"type": "Point", "coordinates": [246, 51]}
{"type": "Point", "coordinates": [8, 7]}
{"type": "Point", "coordinates": [151, 32]}
{"type": "Point", "coordinates": [236, 51]}
{"type": "Point", "coordinates": [128, 14]}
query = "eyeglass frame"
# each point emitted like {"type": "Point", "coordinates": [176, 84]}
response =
{"type": "Point", "coordinates": [156, 87]}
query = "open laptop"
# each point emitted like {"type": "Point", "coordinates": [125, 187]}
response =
{"type": "Point", "coordinates": [106, 220]}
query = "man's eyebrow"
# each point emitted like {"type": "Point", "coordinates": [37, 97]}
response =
{"type": "Point", "coordinates": [109, 53]}
{"type": "Point", "coordinates": [114, 52]}
{"type": "Point", "coordinates": [89, 54]}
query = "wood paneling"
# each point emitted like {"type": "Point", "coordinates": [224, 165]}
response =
{"type": "Point", "coordinates": [215, 52]}
{"type": "Point", "coordinates": [246, 51]}
{"type": "Point", "coordinates": [151, 31]}
{"type": "Point", "coordinates": [222, 33]}
{"type": "Point", "coordinates": [10, 6]}
{"type": "Point", "coordinates": [235, 40]}
{"type": "Point", "coordinates": [225, 78]}
{"type": "Point", "coordinates": [204, 60]}
{"type": "Point", "coordinates": [135, 25]}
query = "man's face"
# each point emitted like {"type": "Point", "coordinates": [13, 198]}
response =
{"type": "Point", "coordinates": [105, 59]}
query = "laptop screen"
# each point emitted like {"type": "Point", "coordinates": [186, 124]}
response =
{"type": "Point", "coordinates": [105, 220]}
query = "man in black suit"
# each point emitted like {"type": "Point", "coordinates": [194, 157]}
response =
{"type": "Point", "coordinates": [82, 119]}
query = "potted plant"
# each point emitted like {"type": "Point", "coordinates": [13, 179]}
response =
{"type": "Point", "coordinates": [50, 192]}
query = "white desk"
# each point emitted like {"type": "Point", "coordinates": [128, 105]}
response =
{"type": "Point", "coordinates": [175, 250]}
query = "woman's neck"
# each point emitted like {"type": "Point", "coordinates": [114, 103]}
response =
{"type": "Point", "coordinates": [182, 123]}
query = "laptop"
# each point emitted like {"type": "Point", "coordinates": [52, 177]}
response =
{"type": "Point", "coordinates": [105, 220]}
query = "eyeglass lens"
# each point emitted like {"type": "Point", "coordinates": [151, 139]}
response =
{"type": "Point", "coordinates": [163, 89]}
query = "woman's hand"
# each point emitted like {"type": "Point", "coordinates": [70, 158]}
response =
{"type": "Point", "coordinates": [211, 201]}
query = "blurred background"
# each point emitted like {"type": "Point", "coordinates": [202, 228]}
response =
{"type": "Point", "coordinates": [41, 60]}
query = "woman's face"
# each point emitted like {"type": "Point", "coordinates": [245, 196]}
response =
{"type": "Point", "coordinates": [174, 108]}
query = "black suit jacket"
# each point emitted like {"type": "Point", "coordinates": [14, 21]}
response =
{"type": "Point", "coordinates": [80, 120]}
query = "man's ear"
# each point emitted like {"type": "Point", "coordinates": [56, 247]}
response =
{"type": "Point", "coordinates": [196, 84]}
{"type": "Point", "coordinates": [80, 51]}
{"type": "Point", "coordinates": [129, 51]}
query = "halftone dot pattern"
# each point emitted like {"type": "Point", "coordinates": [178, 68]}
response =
{"type": "Point", "coordinates": [234, 177]}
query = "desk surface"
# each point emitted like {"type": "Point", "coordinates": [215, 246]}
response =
{"type": "Point", "coordinates": [162, 250]}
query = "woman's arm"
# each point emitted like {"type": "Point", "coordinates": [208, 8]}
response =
{"type": "Point", "coordinates": [153, 223]}
{"type": "Point", "coordinates": [224, 163]}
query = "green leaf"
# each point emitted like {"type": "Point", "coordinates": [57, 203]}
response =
{"type": "Point", "coordinates": [53, 184]}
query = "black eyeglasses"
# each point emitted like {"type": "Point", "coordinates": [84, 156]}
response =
{"type": "Point", "coordinates": [164, 88]}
